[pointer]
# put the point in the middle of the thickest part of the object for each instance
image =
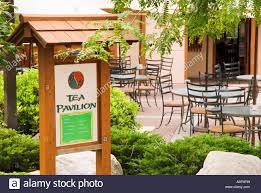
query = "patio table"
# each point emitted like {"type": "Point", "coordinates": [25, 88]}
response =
{"type": "Point", "coordinates": [248, 77]}
{"type": "Point", "coordinates": [139, 77]}
{"type": "Point", "coordinates": [183, 92]}
{"type": "Point", "coordinates": [252, 111]}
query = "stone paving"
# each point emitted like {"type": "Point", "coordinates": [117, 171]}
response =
{"type": "Point", "coordinates": [151, 116]}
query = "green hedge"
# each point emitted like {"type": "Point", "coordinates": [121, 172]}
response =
{"type": "Point", "coordinates": [186, 157]}
{"type": "Point", "coordinates": [123, 110]}
{"type": "Point", "coordinates": [27, 101]}
{"type": "Point", "coordinates": [129, 146]}
{"type": "Point", "coordinates": [19, 153]}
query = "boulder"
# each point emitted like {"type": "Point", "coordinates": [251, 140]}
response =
{"type": "Point", "coordinates": [82, 163]}
{"type": "Point", "coordinates": [228, 163]}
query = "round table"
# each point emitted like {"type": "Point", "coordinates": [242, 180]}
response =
{"type": "Point", "coordinates": [248, 77]}
{"type": "Point", "coordinates": [183, 92]}
{"type": "Point", "coordinates": [252, 111]}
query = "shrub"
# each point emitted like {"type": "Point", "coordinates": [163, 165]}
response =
{"type": "Point", "coordinates": [27, 101]}
{"type": "Point", "coordinates": [13, 173]}
{"type": "Point", "coordinates": [123, 110]}
{"type": "Point", "coordinates": [128, 146]}
{"type": "Point", "coordinates": [19, 153]}
{"type": "Point", "coordinates": [186, 157]}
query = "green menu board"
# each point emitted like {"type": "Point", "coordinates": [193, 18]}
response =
{"type": "Point", "coordinates": [76, 127]}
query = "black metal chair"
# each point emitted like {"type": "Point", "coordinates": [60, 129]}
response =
{"type": "Point", "coordinates": [236, 97]}
{"type": "Point", "coordinates": [166, 65]}
{"type": "Point", "coordinates": [166, 87]}
{"type": "Point", "coordinates": [232, 70]}
{"type": "Point", "coordinates": [152, 83]}
{"type": "Point", "coordinates": [116, 65]}
{"type": "Point", "coordinates": [196, 97]}
{"type": "Point", "coordinates": [126, 81]}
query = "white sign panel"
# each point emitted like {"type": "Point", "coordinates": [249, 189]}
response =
{"type": "Point", "coordinates": [76, 103]}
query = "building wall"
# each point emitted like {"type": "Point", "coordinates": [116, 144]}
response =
{"type": "Point", "coordinates": [197, 60]}
{"type": "Point", "coordinates": [259, 51]}
{"type": "Point", "coordinates": [177, 53]}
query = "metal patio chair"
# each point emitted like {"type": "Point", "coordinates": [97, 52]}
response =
{"type": "Point", "coordinates": [166, 87]}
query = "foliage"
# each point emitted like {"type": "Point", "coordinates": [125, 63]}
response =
{"type": "Point", "coordinates": [186, 157]}
{"type": "Point", "coordinates": [19, 153]}
{"type": "Point", "coordinates": [197, 18]}
{"type": "Point", "coordinates": [27, 101]}
{"type": "Point", "coordinates": [123, 110]}
{"type": "Point", "coordinates": [6, 27]}
{"type": "Point", "coordinates": [129, 146]}
{"type": "Point", "coordinates": [111, 33]}
{"type": "Point", "coordinates": [13, 173]}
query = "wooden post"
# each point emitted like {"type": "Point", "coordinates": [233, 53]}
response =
{"type": "Point", "coordinates": [47, 110]}
{"type": "Point", "coordinates": [252, 46]}
{"type": "Point", "coordinates": [103, 156]}
{"type": "Point", "coordinates": [186, 43]}
{"type": "Point", "coordinates": [10, 117]}
{"type": "Point", "coordinates": [143, 30]}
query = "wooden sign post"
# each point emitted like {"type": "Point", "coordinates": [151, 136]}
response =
{"type": "Point", "coordinates": [74, 98]}
{"type": "Point", "coordinates": [74, 111]}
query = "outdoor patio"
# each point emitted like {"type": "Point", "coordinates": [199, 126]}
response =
{"type": "Point", "coordinates": [151, 116]}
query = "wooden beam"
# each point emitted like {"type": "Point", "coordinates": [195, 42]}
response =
{"type": "Point", "coordinates": [10, 114]}
{"type": "Point", "coordinates": [78, 148]}
{"type": "Point", "coordinates": [47, 110]}
{"type": "Point", "coordinates": [103, 156]}
{"type": "Point", "coordinates": [143, 31]}
{"type": "Point", "coordinates": [186, 43]}
{"type": "Point", "coordinates": [252, 46]}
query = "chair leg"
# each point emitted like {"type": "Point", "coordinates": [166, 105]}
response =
{"type": "Point", "coordinates": [259, 134]}
{"type": "Point", "coordinates": [163, 113]}
{"type": "Point", "coordinates": [172, 110]}
{"type": "Point", "coordinates": [155, 98]}
{"type": "Point", "coordinates": [140, 101]}
{"type": "Point", "coordinates": [187, 114]}
{"type": "Point", "coordinates": [146, 94]}
{"type": "Point", "coordinates": [191, 124]}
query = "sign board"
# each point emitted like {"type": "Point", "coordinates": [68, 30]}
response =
{"type": "Point", "coordinates": [76, 103]}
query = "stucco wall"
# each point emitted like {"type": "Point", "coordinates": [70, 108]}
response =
{"type": "Point", "coordinates": [197, 60]}
{"type": "Point", "coordinates": [177, 53]}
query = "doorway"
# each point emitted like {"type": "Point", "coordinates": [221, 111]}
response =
{"type": "Point", "coordinates": [236, 49]}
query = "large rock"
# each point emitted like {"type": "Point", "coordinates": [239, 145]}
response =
{"type": "Point", "coordinates": [83, 163]}
{"type": "Point", "coordinates": [227, 163]}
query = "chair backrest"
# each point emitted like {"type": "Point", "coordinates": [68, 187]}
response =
{"type": "Point", "coordinates": [115, 65]}
{"type": "Point", "coordinates": [166, 65]}
{"type": "Point", "coordinates": [250, 97]}
{"type": "Point", "coordinates": [198, 94]}
{"type": "Point", "coordinates": [127, 76]}
{"type": "Point", "coordinates": [166, 84]}
{"type": "Point", "coordinates": [233, 97]}
{"type": "Point", "coordinates": [232, 69]}
{"type": "Point", "coordinates": [128, 61]}
{"type": "Point", "coordinates": [153, 68]}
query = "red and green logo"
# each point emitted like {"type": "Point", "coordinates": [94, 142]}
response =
{"type": "Point", "coordinates": [76, 80]}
